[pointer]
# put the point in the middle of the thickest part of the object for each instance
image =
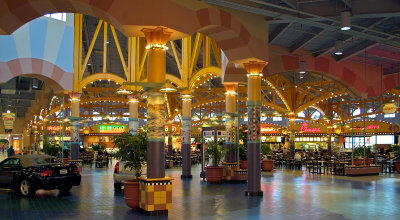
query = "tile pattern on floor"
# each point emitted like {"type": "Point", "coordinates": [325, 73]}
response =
{"type": "Point", "coordinates": [287, 195]}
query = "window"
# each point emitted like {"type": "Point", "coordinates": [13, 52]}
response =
{"type": "Point", "coordinates": [370, 111]}
{"type": "Point", "coordinates": [11, 162]}
{"type": "Point", "coordinates": [316, 115]}
{"type": "Point", "coordinates": [57, 16]}
{"type": "Point", "coordinates": [301, 115]}
{"type": "Point", "coordinates": [276, 118]}
{"type": "Point", "coordinates": [357, 112]}
{"type": "Point", "coordinates": [389, 115]}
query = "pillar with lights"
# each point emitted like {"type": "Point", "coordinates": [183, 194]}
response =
{"type": "Point", "coordinates": [254, 70]}
{"type": "Point", "coordinates": [186, 130]}
{"type": "Point", "coordinates": [156, 65]}
{"type": "Point", "coordinates": [75, 103]}
{"type": "Point", "coordinates": [229, 118]}
{"type": "Point", "coordinates": [133, 113]}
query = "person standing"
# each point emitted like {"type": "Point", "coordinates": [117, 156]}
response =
{"type": "Point", "coordinates": [10, 151]}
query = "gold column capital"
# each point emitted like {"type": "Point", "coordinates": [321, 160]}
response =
{"type": "Point", "coordinates": [231, 87]}
{"type": "Point", "coordinates": [254, 66]}
{"type": "Point", "coordinates": [75, 96]}
{"type": "Point", "coordinates": [158, 35]}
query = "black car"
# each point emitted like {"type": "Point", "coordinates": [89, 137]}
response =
{"type": "Point", "coordinates": [28, 173]}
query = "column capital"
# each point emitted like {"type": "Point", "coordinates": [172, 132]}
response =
{"type": "Point", "coordinates": [230, 88]}
{"type": "Point", "coordinates": [133, 97]}
{"type": "Point", "coordinates": [75, 96]}
{"type": "Point", "coordinates": [157, 37]}
{"type": "Point", "coordinates": [254, 66]}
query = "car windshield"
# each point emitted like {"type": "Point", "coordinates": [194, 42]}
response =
{"type": "Point", "coordinates": [46, 160]}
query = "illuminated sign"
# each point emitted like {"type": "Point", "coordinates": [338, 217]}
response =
{"type": "Point", "coordinates": [269, 129]}
{"type": "Point", "coordinates": [173, 129]}
{"type": "Point", "coordinates": [389, 108]}
{"type": "Point", "coordinates": [368, 127]}
{"type": "Point", "coordinates": [112, 128]}
{"type": "Point", "coordinates": [57, 128]}
{"type": "Point", "coordinates": [305, 128]}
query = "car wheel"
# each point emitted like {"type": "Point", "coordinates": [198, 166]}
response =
{"type": "Point", "coordinates": [117, 187]}
{"type": "Point", "coordinates": [26, 188]}
{"type": "Point", "coordinates": [65, 189]}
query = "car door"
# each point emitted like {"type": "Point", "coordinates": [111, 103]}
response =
{"type": "Point", "coordinates": [7, 170]}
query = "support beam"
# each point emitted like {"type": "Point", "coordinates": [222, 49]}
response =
{"type": "Point", "coordinates": [366, 45]}
{"type": "Point", "coordinates": [105, 48]}
{"type": "Point", "coordinates": [278, 32]}
{"type": "Point", "coordinates": [305, 39]}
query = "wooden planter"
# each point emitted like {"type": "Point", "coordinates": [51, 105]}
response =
{"type": "Point", "coordinates": [267, 165]}
{"type": "Point", "coordinates": [132, 194]}
{"type": "Point", "coordinates": [397, 166]}
{"type": "Point", "coordinates": [214, 174]}
{"type": "Point", "coordinates": [369, 161]}
{"type": "Point", "coordinates": [243, 164]}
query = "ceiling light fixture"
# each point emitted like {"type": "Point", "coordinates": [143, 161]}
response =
{"type": "Point", "coordinates": [338, 47]}
{"type": "Point", "coordinates": [345, 20]}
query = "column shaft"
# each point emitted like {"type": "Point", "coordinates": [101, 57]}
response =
{"type": "Point", "coordinates": [186, 129]}
{"type": "Point", "coordinates": [155, 134]}
{"type": "Point", "coordinates": [254, 70]}
{"type": "Point", "coordinates": [75, 129]}
{"type": "Point", "coordinates": [133, 116]}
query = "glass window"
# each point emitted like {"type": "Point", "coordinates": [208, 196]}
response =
{"type": "Point", "coordinates": [315, 115]}
{"type": "Point", "coordinates": [357, 112]}
{"type": "Point", "coordinates": [11, 162]}
{"type": "Point", "coordinates": [46, 160]}
{"type": "Point", "coordinates": [276, 118]}
{"type": "Point", "coordinates": [389, 115]}
{"type": "Point", "coordinates": [301, 115]}
{"type": "Point", "coordinates": [370, 111]}
{"type": "Point", "coordinates": [57, 16]}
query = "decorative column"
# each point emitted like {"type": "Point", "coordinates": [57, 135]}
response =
{"type": "Point", "coordinates": [254, 70]}
{"type": "Point", "coordinates": [230, 126]}
{"type": "Point", "coordinates": [156, 45]}
{"type": "Point", "coordinates": [75, 102]}
{"type": "Point", "coordinates": [133, 114]}
{"type": "Point", "coordinates": [169, 144]}
{"type": "Point", "coordinates": [292, 135]}
{"type": "Point", "coordinates": [186, 130]}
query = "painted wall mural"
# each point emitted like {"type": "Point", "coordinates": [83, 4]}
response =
{"type": "Point", "coordinates": [155, 115]}
{"type": "Point", "coordinates": [253, 133]}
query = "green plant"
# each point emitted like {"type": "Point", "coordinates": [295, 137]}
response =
{"type": "Point", "coordinates": [132, 150]}
{"type": "Point", "coordinates": [51, 148]}
{"type": "Point", "coordinates": [216, 152]}
{"type": "Point", "coordinates": [3, 142]}
{"type": "Point", "coordinates": [243, 134]}
{"type": "Point", "coordinates": [242, 152]}
{"type": "Point", "coordinates": [396, 150]}
{"type": "Point", "coordinates": [97, 147]}
{"type": "Point", "coordinates": [359, 152]}
{"type": "Point", "coordinates": [265, 149]}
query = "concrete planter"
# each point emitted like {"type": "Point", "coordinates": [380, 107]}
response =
{"type": "Point", "coordinates": [243, 164]}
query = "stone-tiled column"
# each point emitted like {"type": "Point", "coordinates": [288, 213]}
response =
{"type": "Point", "coordinates": [156, 41]}
{"type": "Point", "coordinates": [230, 126]}
{"type": "Point", "coordinates": [292, 135]}
{"type": "Point", "coordinates": [133, 114]}
{"type": "Point", "coordinates": [186, 129]}
{"type": "Point", "coordinates": [75, 103]}
{"type": "Point", "coordinates": [169, 144]}
{"type": "Point", "coordinates": [254, 70]}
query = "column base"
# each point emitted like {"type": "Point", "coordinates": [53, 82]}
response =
{"type": "Point", "coordinates": [247, 193]}
{"type": "Point", "coordinates": [155, 213]}
{"type": "Point", "coordinates": [186, 176]}
{"type": "Point", "coordinates": [155, 195]}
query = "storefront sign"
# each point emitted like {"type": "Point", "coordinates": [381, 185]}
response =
{"type": "Point", "coordinates": [173, 128]}
{"type": "Point", "coordinates": [370, 127]}
{"type": "Point", "coordinates": [269, 129]}
{"type": "Point", "coordinates": [57, 128]}
{"type": "Point", "coordinates": [8, 119]}
{"type": "Point", "coordinates": [305, 128]}
{"type": "Point", "coordinates": [112, 128]}
{"type": "Point", "coordinates": [389, 108]}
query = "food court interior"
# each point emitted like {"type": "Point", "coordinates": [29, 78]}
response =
{"type": "Point", "coordinates": [301, 98]}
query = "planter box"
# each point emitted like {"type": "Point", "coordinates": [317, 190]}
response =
{"type": "Point", "coordinates": [240, 175]}
{"type": "Point", "coordinates": [243, 164]}
{"type": "Point", "coordinates": [228, 173]}
{"type": "Point", "coordinates": [362, 171]}
{"type": "Point", "coordinates": [360, 161]}
{"type": "Point", "coordinates": [214, 174]}
{"type": "Point", "coordinates": [132, 193]}
{"type": "Point", "coordinates": [267, 165]}
{"type": "Point", "coordinates": [155, 195]}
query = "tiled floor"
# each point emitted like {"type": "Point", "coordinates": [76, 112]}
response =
{"type": "Point", "coordinates": [287, 195]}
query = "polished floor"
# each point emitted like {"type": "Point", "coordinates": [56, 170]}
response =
{"type": "Point", "coordinates": [287, 195]}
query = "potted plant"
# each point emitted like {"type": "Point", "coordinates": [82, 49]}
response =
{"type": "Point", "coordinates": [214, 172]}
{"type": "Point", "coordinates": [358, 154]}
{"type": "Point", "coordinates": [132, 150]}
{"type": "Point", "coordinates": [52, 149]}
{"type": "Point", "coordinates": [396, 151]}
{"type": "Point", "coordinates": [266, 164]}
{"type": "Point", "coordinates": [243, 156]}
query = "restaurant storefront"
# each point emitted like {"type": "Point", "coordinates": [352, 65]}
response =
{"type": "Point", "coordinates": [311, 136]}
{"type": "Point", "coordinates": [103, 134]}
{"type": "Point", "coordinates": [369, 133]}
{"type": "Point", "coordinates": [272, 134]}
